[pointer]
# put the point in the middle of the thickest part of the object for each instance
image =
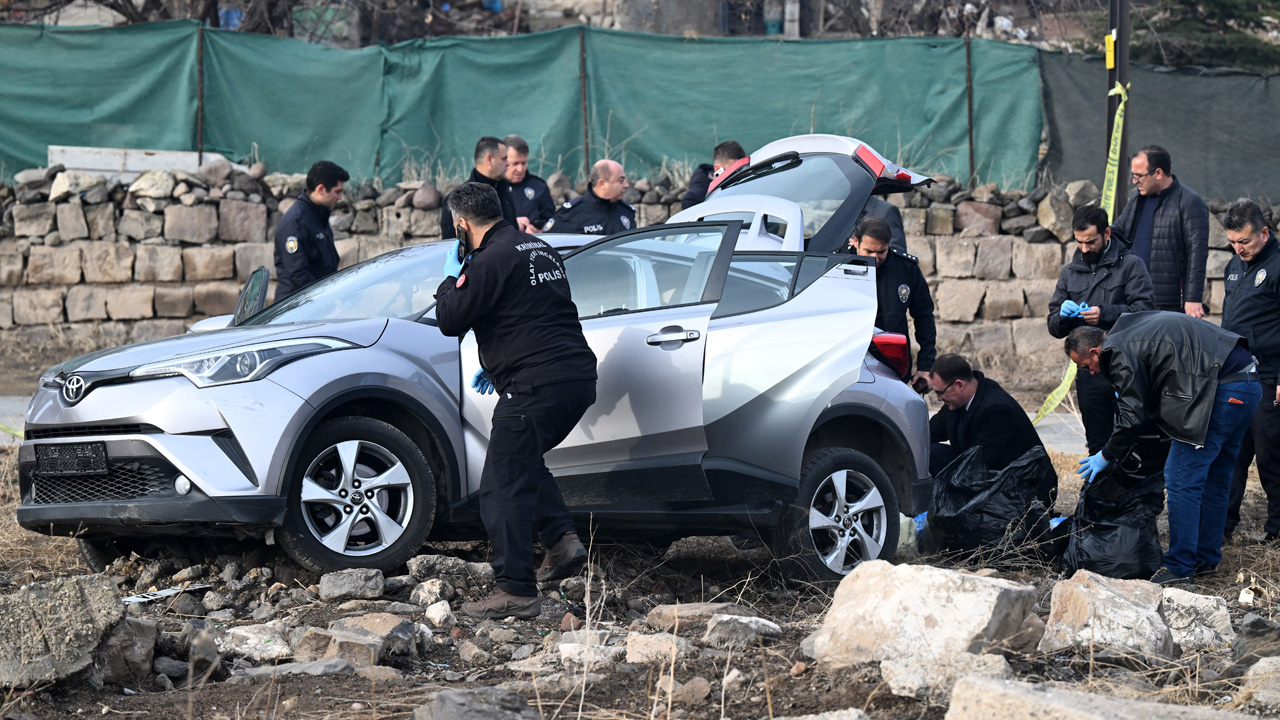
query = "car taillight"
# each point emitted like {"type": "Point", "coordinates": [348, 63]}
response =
{"type": "Point", "coordinates": [892, 350]}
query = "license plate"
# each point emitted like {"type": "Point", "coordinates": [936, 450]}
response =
{"type": "Point", "coordinates": [72, 459]}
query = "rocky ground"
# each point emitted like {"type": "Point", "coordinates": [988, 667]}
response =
{"type": "Point", "coordinates": [700, 630]}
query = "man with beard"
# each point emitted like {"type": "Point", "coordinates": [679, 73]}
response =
{"type": "Point", "coordinates": [1102, 282]}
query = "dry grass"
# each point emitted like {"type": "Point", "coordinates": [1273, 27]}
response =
{"type": "Point", "coordinates": [27, 555]}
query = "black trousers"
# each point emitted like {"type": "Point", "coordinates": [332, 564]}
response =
{"type": "Point", "coordinates": [518, 496]}
{"type": "Point", "coordinates": [1097, 401]}
{"type": "Point", "coordinates": [1262, 441]}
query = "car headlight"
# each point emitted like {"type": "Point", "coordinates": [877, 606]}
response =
{"type": "Point", "coordinates": [239, 364]}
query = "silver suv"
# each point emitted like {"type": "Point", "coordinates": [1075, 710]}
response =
{"type": "Point", "coordinates": [743, 390]}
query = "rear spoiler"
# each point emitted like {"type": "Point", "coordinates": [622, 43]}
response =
{"type": "Point", "coordinates": [890, 178]}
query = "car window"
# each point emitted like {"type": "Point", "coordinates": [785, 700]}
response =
{"type": "Point", "coordinates": [762, 280]}
{"type": "Point", "coordinates": [817, 183]}
{"type": "Point", "coordinates": [643, 271]}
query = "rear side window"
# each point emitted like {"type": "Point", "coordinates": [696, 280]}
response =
{"type": "Point", "coordinates": [762, 280]}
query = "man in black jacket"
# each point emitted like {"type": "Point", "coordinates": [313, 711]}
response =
{"type": "Point", "coordinates": [602, 210]}
{"type": "Point", "coordinates": [878, 207]}
{"type": "Point", "coordinates": [530, 196]}
{"type": "Point", "coordinates": [1252, 310]}
{"type": "Point", "coordinates": [512, 292]}
{"type": "Point", "coordinates": [900, 286]}
{"type": "Point", "coordinates": [1167, 225]}
{"type": "Point", "coordinates": [1102, 282]}
{"type": "Point", "coordinates": [491, 170]}
{"type": "Point", "coordinates": [305, 251]}
{"type": "Point", "coordinates": [977, 411]}
{"type": "Point", "coordinates": [725, 154]}
{"type": "Point", "coordinates": [1197, 383]}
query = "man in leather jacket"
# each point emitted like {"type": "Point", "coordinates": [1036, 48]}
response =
{"type": "Point", "coordinates": [1196, 382]}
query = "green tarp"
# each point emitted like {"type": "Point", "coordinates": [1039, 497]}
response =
{"type": "Point", "coordinates": [131, 87]}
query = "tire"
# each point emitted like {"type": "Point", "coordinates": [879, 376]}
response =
{"type": "Point", "coordinates": [99, 554]}
{"type": "Point", "coordinates": [380, 529]}
{"type": "Point", "coordinates": [826, 536]}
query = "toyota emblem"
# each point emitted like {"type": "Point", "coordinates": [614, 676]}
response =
{"type": "Point", "coordinates": [73, 389]}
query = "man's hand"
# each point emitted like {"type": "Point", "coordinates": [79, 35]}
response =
{"type": "Point", "coordinates": [452, 263]}
{"type": "Point", "coordinates": [481, 382]}
{"type": "Point", "coordinates": [920, 382]}
{"type": "Point", "coordinates": [526, 226]}
{"type": "Point", "coordinates": [1091, 466]}
{"type": "Point", "coordinates": [1277, 394]}
{"type": "Point", "coordinates": [1194, 309]}
{"type": "Point", "coordinates": [1092, 315]}
{"type": "Point", "coordinates": [1070, 308]}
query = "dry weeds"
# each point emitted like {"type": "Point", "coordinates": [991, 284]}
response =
{"type": "Point", "coordinates": [24, 555]}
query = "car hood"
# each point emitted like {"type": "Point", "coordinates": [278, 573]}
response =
{"type": "Point", "coordinates": [361, 332]}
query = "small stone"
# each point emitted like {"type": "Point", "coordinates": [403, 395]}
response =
{"type": "Point", "coordinates": [732, 631]}
{"type": "Point", "coordinates": [431, 592]}
{"type": "Point", "coordinates": [439, 615]}
{"type": "Point", "coordinates": [570, 622]}
{"type": "Point", "coordinates": [659, 647]}
{"type": "Point", "coordinates": [692, 693]}
{"type": "Point", "coordinates": [353, 583]}
{"type": "Point", "coordinates": [799, 668]}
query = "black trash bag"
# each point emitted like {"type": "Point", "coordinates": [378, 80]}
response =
{"type": "Point", "coordinates": [1113, 531]}
{"type": "Point", "coordinates": [975, 508]}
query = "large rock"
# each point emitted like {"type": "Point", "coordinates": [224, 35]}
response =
{"type": "Point", "coordinates": [215, 173]}
{"type": "Point", "coordinates": [914, 221]}
{"type": "Point", "coordinates": [1036, 260]}
{"type": "Point", "coordinates": [153, 184]}
{"type": "Point", "coordinates": [940, 220]}
{"type": "Point", "coordinates": [658, 647]}
{"type": "Point", "coordinates": [196, 225]}
{"type": "Point", "coordinates": [1217, 234]}
{"type": "Point", "coordinates": [1082, 192]}
{"type": "Point", "coordinates": [240, 221]}
{"type": "Point", "coordinates": [427, 197]}
{"type": "Point", "coordinates": [209, 263]}
{"type": "Point", "coordinates": [86, 302]}
{"type": "Point", "coordinates": [251, 256]}
{"type": "Point", "coordinates": [34, 219]}
{"type": "Point", "coordinates": [1054, 214]}
{"type": "Point", "coordinates": [959, 300]}
{"type": "Point", "coordinates": [140, 225]}
{"type": "Point", "coordinates": [486, 703]}
{"type": "Point", "coordinates": [131, 302]}
{"type": "Point", "coordinates": [397, 635]}
{"type": "Point", "coordinates": [664, 617]}
{"type": "Point", "coordinates": [1090, 610]}
{"type": "Point", "coordinates": [425, 567]}
{"type": "Point", "coordinates": [10, 268]}
{"type": "Point", "coordinates": [360, 649]}
{"type": "Point", "coordinates": [71, 183]}
{"type": "Point", "coordinates": [126, 655]}
{"type": "Point", "coordinates": [1003, 300]}
{"type": "Point", "coordinates": [173, 301]}
{"type": "Point", "coordinates": [260, 643]}
{"type": "Point", "coordinates": [735, 631]}
{"type": "Point", "coordinates": [71, 222]}
{"type": "Point", "coordinates": [921, 246]}
{"type": "Point", "coordinates": [591, 657]}
{"type": "Point", "coordinates": [984, 699]}
{"type": "Point", "coordinates": [49, 631]}
{"type": "Point", "coordinates": [956, 255]}
{"type": "Point", "coordinates": [1256, 638]}
{"type": "Point", "coordinates": [107, 262]}
{"type": "Point", "coordinates": [1262, 682]}
{"type": "Point", "coordinates": [316, 668]}
{"type": "Point", "coordinates": [6, 310]}
{"type": "Point", "coordinates": [37, 307]}
{"type": "Point", "coordinates": [932, 680]}
{"type": "Point", "coordinates": [353, 583]}
{"type": "Point", "coordinates": [424, 223]}
{"type": "Point", "coordinates": [216, 298]}
{"type": "Point", "coordinates": [1215, 265]}
{"type": "Point", "coordinates": [980, 216]}
{"type": "Point", "coordinates": [53, 266]}
{"type": "Point", "coordinates": [396, 222]}
{"type": "Point", "coordinates": [1198, 622]}
{"type": "Point", "coordinates": [995, 258]}
{"type": "Point", "coordinates": [157, 263]}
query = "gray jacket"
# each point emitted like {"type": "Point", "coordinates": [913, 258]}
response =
{"type": "Point", "coordinates": [1179, 244]}
{"type": "Point", "coordinates": [1118, 283]}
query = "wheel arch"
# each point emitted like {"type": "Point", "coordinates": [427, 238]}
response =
{"type": "Point", "coordinates": [870, 432]}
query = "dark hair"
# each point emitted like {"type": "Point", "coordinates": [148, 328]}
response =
{"type": "Point", "coordinates": [1157, 159]}
{"type": "Point", "coordinates": [517, 143]}
{"type": "Point", "coordinates": [951, 367]}
{"type": "Point", "coordinates": [477, 202]}
{"type": "Point", "coordinates": [487, 145]}
{"type": "Point", "coordinates": [1244, 212]}
{"type": "Point", "coordinates": [327, 174]}
{"type": "Point", "coordinates": [1090, 216]}
{"type": "Point", "coordinates": [729, 150]}
{"type": "Point", "coordinates": [873, 227]}
{"type": "Point", "coordinates": [1083, 339]}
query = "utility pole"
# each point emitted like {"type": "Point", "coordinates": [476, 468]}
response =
{"type": "Point", "coordinates": [1117, 46]}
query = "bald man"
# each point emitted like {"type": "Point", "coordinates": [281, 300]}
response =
{"type": "Point", "coordinates": [601, 211]}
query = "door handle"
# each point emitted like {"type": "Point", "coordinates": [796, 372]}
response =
{"type": "Point", "coordinates": [673, 335]}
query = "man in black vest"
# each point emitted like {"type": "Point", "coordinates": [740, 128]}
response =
{"type": "Point", "coordinates": [977, 411]}
{"type": "Point", "coordinates": [491, 170]}
{"type": "Point", "coordinates": [305, 251]}
{"type": "Point", "coordinates": [530, 196]}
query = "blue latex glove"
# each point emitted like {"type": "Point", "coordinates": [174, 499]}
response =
{"type": "Point", "coordinates": [1069, 309]}
{"type": "Point", "coordinates": [481, 383]}
{"type": "Point", "coordinates": [1083, 307]}
{"type": "Point", "coordinates": [452, 265]}
{"type": "Point", "coordinates": [1092, 466]}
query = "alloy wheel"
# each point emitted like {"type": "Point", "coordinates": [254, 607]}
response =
{"type": "Point", "coordinates": [357, 498]}
{"type": "Point", "coordinates": [847, 520]}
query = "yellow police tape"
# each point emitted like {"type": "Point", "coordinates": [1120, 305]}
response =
{"type": "Point", "coordinates": [10, 431]}
{"type": "Point", "coordinates": [1111, 178]}
{"type": "Point", "coordinates": [1060, 392]}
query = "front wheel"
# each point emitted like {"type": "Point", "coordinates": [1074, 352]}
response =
{"type": "Point", "coordinates": [363, 497]}
{"type": "Point", "coordinates": [845, 512]}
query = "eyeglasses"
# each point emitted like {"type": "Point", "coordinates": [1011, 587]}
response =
{"type": "Point", "coordinates": [1138, 176]}
{"type": "Point", "coordinates": [943, 390]}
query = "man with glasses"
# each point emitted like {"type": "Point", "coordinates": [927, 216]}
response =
{"type": "Point", "coordinates": [1167, 225]}
{"type": "Point", "coordinates": [978, 412]}
{"type": "Point", "coordinates": [305, 251]}
{"type": "Point", "coordinates": [900, 286]}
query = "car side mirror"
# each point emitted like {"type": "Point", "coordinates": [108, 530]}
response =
{"type": "Point", "coordinates": [254, 296]}
{"type": "Point", "coordinates": [217, 322]}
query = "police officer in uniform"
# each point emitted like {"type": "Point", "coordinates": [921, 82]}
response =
{"type": "Point", "coordinates": [1252, 309]}
{"type": "Point", "coordinates": [887, 211]}
{"type": "Point", "coordinates": [491, 170]}
{"type": "Point", "coordinates": [900, 287]}
{"type": "Point", "coordinates": [305, 251]}
{"type": "Point", "coordinates": [530, 196]}
{"type": "Point", "coordinates": [601, 211]}
{"type": "Point", "coordinates": [512, 292]}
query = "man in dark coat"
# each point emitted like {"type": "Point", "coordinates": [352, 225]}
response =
{"type": "Point", "coordinates": [1102, 282]}
{"type": "Point", "coordinates": [491, 170]}
{"type": "Point", "coordinates": [900, 287]}
{"type": "Point", "coordinates": [1252, 310]}
{"type": "Point", "coordinates": [304, 249]}
{"type": "Point", "coordinates": [1167, 226]}
{"type": "Point", "coordinates": [601, 211]}
{"type": "Point", "coordinates": [878, 207]}
{"type": "Point", "coordinates": [977, 411]}
{"type": "Point", "coordinates": [530, 195]}
{"type": "Point", "coordinates": [724, 155]}
{"type": "Point", "coordinates": [1196, 382]}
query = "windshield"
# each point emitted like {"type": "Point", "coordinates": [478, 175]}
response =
{"type": "Point", "coordinates": [395, 285]}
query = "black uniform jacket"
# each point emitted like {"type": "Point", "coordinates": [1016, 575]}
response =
{"type": "Point", "coordinates": [593, 215]}
{"type": "Point", "coordinates": [993, 421]}
{"type": "Point", "coordinates": [504, 198]}
{"type": "Point", "coordinates": [1164, 367]}
{"type": "Point", "coordinates": [1252, 307]}
{"type": "Point", "coordinates": [304, 247]}
{"type": "Point", "coordinates": [699, 181]}
{"type": "Point", "coordinates": [513, 293]}
{"type": "Point", "coordinates": [901, 287]}
{"type": "Point", "coordinates": [887, 211]}
{"type": "Point", "coordinates": [1118, 283]}
{"type": "Point", "coordinates": [531, 198]}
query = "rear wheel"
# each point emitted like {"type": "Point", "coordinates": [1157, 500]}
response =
{"type": "Point", "coordinates": [99, 554]}
{"type": "Point", "coordinates": [845, 512]}
{"type": "Point", "coordinates": [363, 497]}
